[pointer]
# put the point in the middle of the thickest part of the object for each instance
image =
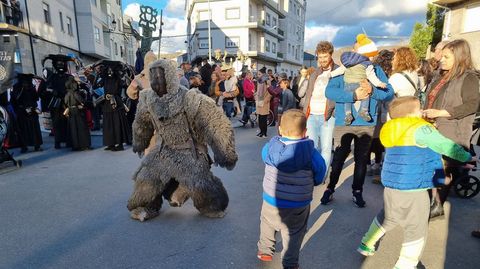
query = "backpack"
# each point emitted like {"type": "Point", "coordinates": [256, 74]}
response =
{"type": "Point", "coordinates": [418, 92]}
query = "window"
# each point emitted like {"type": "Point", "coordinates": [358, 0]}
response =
{"type": "Point", "coordinates": [116, 48]}
{"type": "Point", "coordinates": [69, 26]}
{"type": "Point", "coordinates": [232, 42]}
{"type": "Point", "coordinates": [94, 2]}
{"type": "Point", "coordinates": [203, 15]}
{"type": "Point", "coordinates": [232, 13]}
{"type": "Point", "coordinates": [267, 45]}
{"type": "Point", "coordinates": [289, 48]}
{"type": "Point", "coordinates": [97, 34]}
{"type": "Point", "coordinates": [267, 21]}
{"type": "Point", "coordinates": [274, 47]}
{"type": "Point", "coordinates": [471, 23]}
{"type": "Point", "coordinates": [203, 43]}
{"type": "Point", "coordinates": [119, 2]}
{"type": "Point", "coordinates": [61, 21]}
{"type": "Point", "coordinates": [121, 51]}
{"type": "Point", "coordinates": [274, 22]}
{"type": "Point", "coordinates": [46, 14]}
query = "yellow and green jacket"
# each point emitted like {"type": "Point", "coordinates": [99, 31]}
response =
{"type": "Point", "coordinates": [413, 149]}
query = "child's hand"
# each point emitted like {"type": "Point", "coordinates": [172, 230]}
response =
{"type": "Point", "coordinates": [382, 85]}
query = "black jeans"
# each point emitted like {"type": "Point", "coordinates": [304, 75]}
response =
{"type": "Point", "coordinates": [378, 149]}
{"type": "Point", "coordinates": [247, 110]}
{"type": "Point", "coordinates": [262, 124]}
{"type": "Point", "coordinates": [342, 139]}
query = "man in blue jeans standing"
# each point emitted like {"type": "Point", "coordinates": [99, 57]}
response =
{"type": "Point", "coordinates": [360, 131]}
{"type": "Point", "coordinates": [320, 124]}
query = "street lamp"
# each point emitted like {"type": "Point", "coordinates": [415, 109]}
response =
{"type": "Point", "coordinates": [114, 25]}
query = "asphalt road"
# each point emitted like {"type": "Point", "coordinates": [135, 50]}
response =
{"type": "Point", "coordinates": [66, 209]}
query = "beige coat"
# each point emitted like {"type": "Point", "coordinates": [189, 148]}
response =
{"type": "Point", "coordinates": [265, 108]}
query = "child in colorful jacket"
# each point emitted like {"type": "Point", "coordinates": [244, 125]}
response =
{"type": "Point", "coordinates": [412, 165]}
{"type": "Point", "coordinates": [292, 168]}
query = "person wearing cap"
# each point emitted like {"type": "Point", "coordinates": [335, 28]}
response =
{"type": "Point", "coordinates": [357, 67]}
{"type": "Point", "coordinates": [195, 81]}
{"type": "Point", "coordinates": [360, 130]}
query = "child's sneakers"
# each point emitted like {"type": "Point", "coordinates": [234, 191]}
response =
{"type": "Point", "coordinates": [365, 251]}
{"type": "Point", "coordinates": [358, 199]}
{"type": "Point", "coordinates": [264, 257]}
{"type": "Point", "coordinates": [365, 115]}
{"type": "Point", "coordinates": [348, 119]}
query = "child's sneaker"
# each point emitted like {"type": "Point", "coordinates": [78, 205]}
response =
{"type": "Point", "coordinates": [348, 119]}
{"type": "Point", "coordinates": [365, 116]}
{"type": "Point", "coordinates": [365, 251]}
{"type": "Point", "coordinates": [264, 257]}
{"type": "Point", "coordinates": [327, 197]}
{"type": "Point", "coordinates": [358, 199]}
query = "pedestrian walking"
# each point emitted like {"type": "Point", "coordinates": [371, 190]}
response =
{"type": "Point", "coordinates": [360, 131]}
{"type": "Point", "coordinates": [412, 165]}
{"type": "Point", "coordinates": [292, 168]}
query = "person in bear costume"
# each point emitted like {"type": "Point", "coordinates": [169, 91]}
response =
{"type": "Point", "coordinates": [178, 166]}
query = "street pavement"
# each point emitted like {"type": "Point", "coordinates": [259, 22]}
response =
{"type": "Point", "coordinates": [66, 209]}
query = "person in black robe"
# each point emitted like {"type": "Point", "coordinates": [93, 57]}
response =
{"type": "Point", "coordinates": [75, 112]}
{"type": "Point", "coordinates": [116, 130]}
{"type": "Point", "coordinates": [24, 99]}
{"type": "Point", "coordinates": [56, 82]}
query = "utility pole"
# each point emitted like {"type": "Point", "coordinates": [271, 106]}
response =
{"type": "Point", "coordinates": [160, 33]}
{"type": "Point", "coordinates": [31, 38]}
{"type": "Point", "coordinates": [209, 34]}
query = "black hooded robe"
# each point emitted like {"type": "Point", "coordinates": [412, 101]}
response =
{"type": "Point", "coordinates": [116, 129]}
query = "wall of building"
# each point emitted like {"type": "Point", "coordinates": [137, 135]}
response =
{"type": "Point", "coordinates": [457, 29]}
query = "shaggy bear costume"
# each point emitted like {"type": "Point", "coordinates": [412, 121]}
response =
{"type": "Point", "coordinates": [178, 166]}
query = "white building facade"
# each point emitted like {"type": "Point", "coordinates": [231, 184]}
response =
{"type": "Point", "coordinates": [84, 28]}
{"type": "Point", "coordinates": [263, 30]}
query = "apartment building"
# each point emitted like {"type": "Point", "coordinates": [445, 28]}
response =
{"type": "Point", "coordinates": [269, 32]}
{"type": "Point", "coordinates": [89, 29]}
{"type": "Point", "coordinates": [462, 21]}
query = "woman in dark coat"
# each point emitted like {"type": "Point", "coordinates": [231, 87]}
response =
{"type": "Point", "coordinates": [24, 101]}
{"type": "Point", "coordinates": [452, 100]}
{"type": "Point", "coordinates": [116, 130]}
{"type": "Point", "coordinates": [56, 82]}
{"type": "Point", "coordinates": [76, 114]}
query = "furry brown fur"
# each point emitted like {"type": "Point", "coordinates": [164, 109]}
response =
{"type": "Point", "coordinates": [178, 166]}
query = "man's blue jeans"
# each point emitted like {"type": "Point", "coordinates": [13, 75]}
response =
{"type": "Point", "coordinates": [321, 133]}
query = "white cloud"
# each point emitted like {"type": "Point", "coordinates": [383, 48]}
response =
{"type": "Point", "coordinates": [314, 34]}
{"type": "Point", "coordinates": [133, 10]}
{"type": "Point", "coordinates": [392, 28]}
{"type": "Point", "coordinates": [390, 8]}
{"type": "Point", "coordinates": [175, 8]}
{"type": "Point", "coordinates": [352, 12]}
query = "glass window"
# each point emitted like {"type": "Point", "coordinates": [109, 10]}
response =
{"type": "Point", "coordinates": [274, 47]}
{"type": "Point", "coordinates": [46, 13]}
{"type": "Point", "coordinates": [232, 13]}
{"type": "Point", "coordinates": [69, 26]}
{"type": "Point", "coordinates": [94, 2]}
{"type": "Point", "coordinates": [116, 48]}
{"type": "Point", "coordinates": [267, 45]}
{"type": "Point", "coordinates": [232, 42]}
{"type": "Point", "coordinates": [471, 22]}
{"type": "Point", "coordinates": [203, 43]}
{"type": "Point", "coordinates": [274, 22]}
{"type": "Point", "coordinates": [268, 18]}
{"type": "Point", "coordinates": [97, 34]}
{"type": "Point", "coordinates": [61, 21]}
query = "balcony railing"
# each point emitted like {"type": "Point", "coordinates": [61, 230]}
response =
{"type": "Point", "coordinates": [11, 15]}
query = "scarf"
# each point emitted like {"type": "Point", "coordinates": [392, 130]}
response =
{"type": "Point", "coordinates": [433, 94]}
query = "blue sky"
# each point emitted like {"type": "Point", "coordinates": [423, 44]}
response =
{"type": "Point", "coordinates": [338, 21]}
